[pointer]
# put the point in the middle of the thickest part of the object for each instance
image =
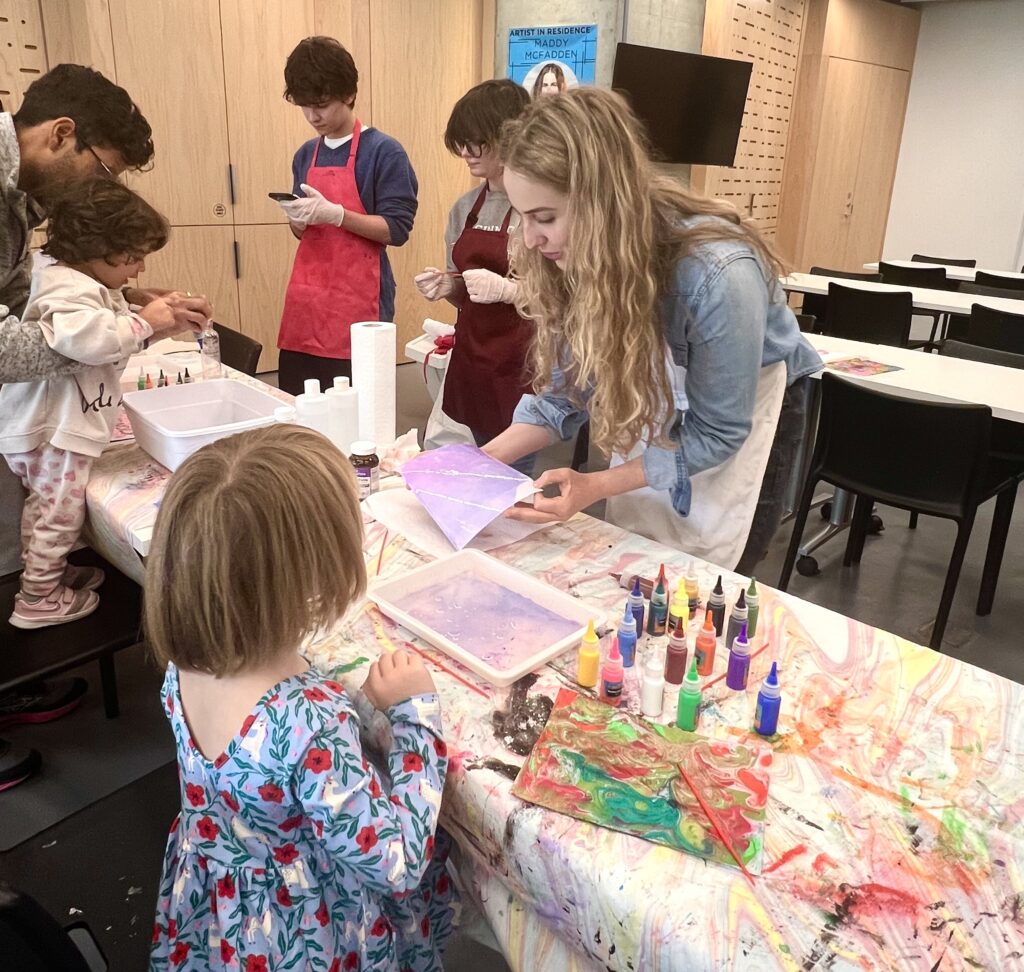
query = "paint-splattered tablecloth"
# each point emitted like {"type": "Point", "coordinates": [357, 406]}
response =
{"type": "Point", "coordinates": [894, 834]}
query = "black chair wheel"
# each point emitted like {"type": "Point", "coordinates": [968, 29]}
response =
{"type": "Point", "coordinates": [807, 567]}
{"type": "Point", "coordinates": [877, 526]}
{"type": "Point", "coordinates": [826, 511]}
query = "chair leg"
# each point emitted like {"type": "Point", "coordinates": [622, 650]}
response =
{"type": "Point", "coordinates": [858, 530]}
{"type": "Point", "coordinates": [108, 681]}
{"type": "Point", "coordinates": [996, 547]}
{"type": "Point", "coordinates": [799, 521]}
{"type": "Point", "coordinates": [581, 451]}
{"type": "Point", "coordinates": [963, 535]}
{"type": "Point", "coordinates": [913, 520]}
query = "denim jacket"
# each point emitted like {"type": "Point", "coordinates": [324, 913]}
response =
{"type": "Point", "coordinates": [723, 322]}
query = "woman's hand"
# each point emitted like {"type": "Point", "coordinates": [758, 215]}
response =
{"type": "Point", "coordinates": [488, 287]}
{"type": "Point", "coordinates": [434, 284]}
{"type": "Point", "coordinates": [577, 492]}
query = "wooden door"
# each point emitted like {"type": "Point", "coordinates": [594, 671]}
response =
{"type": "Point", "coordinates": [199, 259]}
{"type": "Point", "coordinates": [840, 135]}
{"type": "Point", "coordinates": [265, 256]}
{"type": "Point", "coordinates": [168, 57]}
{"type": "Point", "coordinates": [876, 169]}
{"type": "Point", "coordinates": [412, 41]}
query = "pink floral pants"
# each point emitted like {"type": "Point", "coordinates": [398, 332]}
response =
{"type": "Point", "coordinates": [54, 512]}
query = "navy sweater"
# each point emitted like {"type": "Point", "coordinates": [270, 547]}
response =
{"type": "Point", "coordinates": [387, 187]}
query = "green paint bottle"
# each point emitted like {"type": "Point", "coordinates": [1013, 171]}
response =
{"type": "Point", "coordinates": [753, 603]}
{"type": "Point", "coordinates": [689, 700]}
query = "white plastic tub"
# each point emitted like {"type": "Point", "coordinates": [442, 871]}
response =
{"type": "Point", "coordinates": [173, 422]}
{"type": "Point", "coordinates": [171, 364]}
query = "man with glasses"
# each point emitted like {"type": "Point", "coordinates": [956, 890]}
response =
{"type": "Point", "coordinates": [73, 125]}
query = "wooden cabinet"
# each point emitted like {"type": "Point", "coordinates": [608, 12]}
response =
{"type": "Point", "coordinates": [265, 255]}
{"type": "Point", "coordinates": [852, 87]}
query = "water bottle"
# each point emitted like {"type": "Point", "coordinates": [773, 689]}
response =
{"type": "Point", "coordinates": [210, 348]}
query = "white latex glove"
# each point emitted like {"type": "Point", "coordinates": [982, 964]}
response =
{"type": "Point", "coordinates": [487, 287]}
{"type": "Point", "coordinates": [434, 284]}
{"type": "Point", "coordinates": [313, 209]}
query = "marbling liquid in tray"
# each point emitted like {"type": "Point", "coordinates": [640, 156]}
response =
{"type": "Point", "coordinates": [498, 626]}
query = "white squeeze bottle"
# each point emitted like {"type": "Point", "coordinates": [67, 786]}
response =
{"type": "Point", "coordinates": [311, 407]}
{"type": "Point", "coordinates": [342, 414]}
{"type": "Point", "coordinates": [209, 342]}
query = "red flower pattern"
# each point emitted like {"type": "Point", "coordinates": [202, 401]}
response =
{"type": "Point", "coordinates": [428, 849]}
{"type": "Point", "coordinates": [315, 694]}
{"type": "Point", "coordinates": [317, 760]}
{"type": "Point", "coordinates": [227, 952]}
{"type": "Point", "coordinates": [440, 748]}
{"type": "Point", "coordinates": [374, 787]}
{"type": "Point", "coordinates": [380, 927]}
{"type": "Point", "coordinates": [172, 929]}
{"type": "Point", "coordinates": [286, 855]}
{"type": "Point", "coordinates": [220, 761]}
{"type": "Point", "coordinates": [442, 884]}
{"type": "Point", "coordinates": [366, 839]}
{"type": "Point", "coordinates": [208, 830]}
{"type": "Point", "coordinates": [425, 926]}
{"type": "Point", "coordinates": [335, 966]}
{"type": "Point", "coordinates": [255, 963]}
{"type": "Point", "coordinates": [322, 916]}
{"type": "Point", "coordinates": [179, 953]}
{"type": "Point", "coordinates": [229, 799]}
{"type": "Point", "coordinates": [226, 886]}
{"type": "Point", "coordinates": [156, 932]}
{"type": "Point", "coordinates": [291, 823]}
{"type": "Point", "coordinates": [247, 725]}
{"type": "Point", "coordinates": [284, 899]}
{"type": "Point", "coordinates": [270, 793]}
{"type": "Point", "coordinates": [334, 686]}
{"type": "Point", "coordinates": [412, 763]}
{"type": "Point", "coordinates": [195, 795]}
{"type": "Point", "coordinates": [352, 960]}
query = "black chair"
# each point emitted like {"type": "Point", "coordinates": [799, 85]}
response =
{"type": "Point", "coordinates": [949, 261]}
{"type": "Point", "coordinates": [806, 322]}
{"type": "Point", "coordinates": [815, 304]}
{"type": "Point", "coordinates": [874, 316]}
{"type": "Point", "coordinates": [581, 450]}
{"type": "Point", "coordinates": [999, 280]}
{"type": "Point", "coordinates": [238, 351]}
{"type": "Point", "coordinates": [896, 450]}
{"type": "Point", "coordinates": [932, 277]}
{"type": "Point", "coordinates": [31, 939]}
{"type": "Point", "coordinates": [975, 352]}
{"type": "Point", "coordinates": [41, 652]}
{"type": "Point", "coordinates": [996, 329]}
{"type": "Point", "coordinates": [957, 325]}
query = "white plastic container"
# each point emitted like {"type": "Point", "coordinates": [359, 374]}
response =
{"type": "Point", "coordinates": [311, 407]}
{"type": "Point", "coordinates": [173, 422]}
{"type": "Point", "coordinates": [393, 595]}
{"type": "Point", "coordinates": [342, 414]}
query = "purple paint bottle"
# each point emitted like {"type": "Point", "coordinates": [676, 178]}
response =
{"type": "Point", "coordinates": [739, 662]}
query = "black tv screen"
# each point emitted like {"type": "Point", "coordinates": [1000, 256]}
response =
{"type": "Point", "coordinates": [692, 104]}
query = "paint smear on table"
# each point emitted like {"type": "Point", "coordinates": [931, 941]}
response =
{"type": "Point", "coordinates": [491, 622]}
{"type": "Point", "coordinates": [860, 367]}
{"type": "Point", "coordinates": [602, 765]}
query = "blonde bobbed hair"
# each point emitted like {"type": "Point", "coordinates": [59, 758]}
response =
{"type": "Point", "coordinates": [258, 543]}
{"type": "Point", "coordinates": [599, 319]}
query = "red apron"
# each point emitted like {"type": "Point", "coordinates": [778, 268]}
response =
{"type": "Point", "coordinates": [485, 377]}
{"type": "Point", "coordinates": [335, 279]}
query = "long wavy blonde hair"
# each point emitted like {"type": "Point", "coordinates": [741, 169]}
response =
{"type": "Point", "coordinates": [598, 321]}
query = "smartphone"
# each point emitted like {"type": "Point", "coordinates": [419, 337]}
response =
{"type": "Point", "coordinates": [282, 196]}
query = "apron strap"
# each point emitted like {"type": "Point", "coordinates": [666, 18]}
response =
{"type": "Point", "coordinates": [351, 154]}
{"type": "Point", "coordinates": [478, 205]}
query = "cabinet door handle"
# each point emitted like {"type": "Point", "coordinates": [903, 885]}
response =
{"type": "Point", "coordinates": [238, 260]}
{"type": "Point", "coordinates": [231, 183]}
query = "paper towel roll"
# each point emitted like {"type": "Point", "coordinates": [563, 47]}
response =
{"type": "Point", "coordinates": [373, 376]}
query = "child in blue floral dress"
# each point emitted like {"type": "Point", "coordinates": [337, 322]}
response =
{"type": "Point", "coordinates": [290, 851]}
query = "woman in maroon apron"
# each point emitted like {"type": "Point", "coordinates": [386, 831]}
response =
{"type": "Point", "coordinates": [486, 375]}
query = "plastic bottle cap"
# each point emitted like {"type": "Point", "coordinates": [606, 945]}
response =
{"type": "Point", "coordinates": [770, 687]}
{"type": "Point", "coordinates": [311, 386]}
{"type": "Point", "coordinates": [591, 634]}
{"type": "Point", "coordinates": [615, 655]}
{"type": "Point", "coordinates": [285, 413]}
{"type": "Point", "coordinates": [628, 621]}
{"type": "Point", "coordinates": [709, 624]}
{"type": "Point", "coordinates": [341, 382]}
{"type": "Point", "coordinates": [752, 590]}
{"type": "Point", "coordinates": [692, 681]}
{"type": "Point", "coordinates": [655, 664]}
{"type": "Point", "coordinates": [636, 587]}
{"type": "Point", "coordinates": [364, 448]}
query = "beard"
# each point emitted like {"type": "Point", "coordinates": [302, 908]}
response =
{"type": "Point", "coordinates": [48, 183]}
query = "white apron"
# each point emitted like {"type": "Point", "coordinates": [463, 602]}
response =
{"type": "Point", "coordinates": [724, 497]}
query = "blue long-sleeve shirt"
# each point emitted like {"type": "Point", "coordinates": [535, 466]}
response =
{"type": "Point", "coordinates": [387, 187]}
{"type": "Point", "coordinates": [723, 322]}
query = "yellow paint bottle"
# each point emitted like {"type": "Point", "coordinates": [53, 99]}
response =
{"type": "Point", "coordinates": [589, 661]}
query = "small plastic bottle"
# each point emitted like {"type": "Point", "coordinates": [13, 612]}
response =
{"type": "Point", "coordinates": [769, 701]}
{"type": "Point", "coordinates": [627, 637]}
{"type": "Point", "coordinates": [687, 709]}
{"type": "Point", "coordinates": [705, 645]}
{"type": "Point", "coordinates": [342, 414]}
{"type": "Point", "coordinates": [612, 675]}
{"type": "Point", "coordinates": [652, 692]}
{"type": "Point", "coordinates": [367, 466]}
{"type": "Point", "coordinates": [739, 662]}
{"type": "Point", "coordinates": [311, 407]}
{"type": "Point", "coordinates": [210, 351]}
{"type": "Point", "coordinates": [589, 660]}
{"type": "Point", "coordinates": [675, 657]}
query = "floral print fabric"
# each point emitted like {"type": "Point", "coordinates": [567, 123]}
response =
{"type": "Point", "coordinates": [292, 852]}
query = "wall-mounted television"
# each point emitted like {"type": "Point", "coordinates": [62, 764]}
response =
{"type": "Point", "coordinates": [692, 104]}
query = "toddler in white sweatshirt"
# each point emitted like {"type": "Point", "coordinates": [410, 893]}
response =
{"type": "Point", "coordinates": [52, 430]}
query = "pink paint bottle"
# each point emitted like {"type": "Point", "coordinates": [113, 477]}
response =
{"type": "Point", "coordinates": [612, 675]}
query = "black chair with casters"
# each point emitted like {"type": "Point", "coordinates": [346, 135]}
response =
{"type": "Point", "coordinates": [949, 261]}
{"type": "Point", "coordinates": [933, 278]}
{"type": "Point", "coordinates": [238, 351]}
{"type": "Point", "coordinates": [32, 940]}
{"type": "Point", "coordinates": [874, 316]}
{"type": "Point", "coordinates": [895, 450]}
{"type": "Point", "coordinates": [995, 329]}
{"type": "Point", "coordinates": [28, 656]}
{"type": "Point", "coordinates": [999, 280]}
{"type": "Point", "coordinates": [956, 327]}
{"type": "Point", "coordinates": [815, 304]}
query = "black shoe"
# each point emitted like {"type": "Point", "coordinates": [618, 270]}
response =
{"type": "Point", "coordinates": [16, 764]}
{"type": "Point", "coordinates": [41, 701]}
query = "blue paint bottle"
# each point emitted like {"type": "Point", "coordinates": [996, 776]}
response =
{"type": "Point", "coordinates": [769, 701]}
{"type": "Point", "coordinates": [636, 604]}
{"type": "Point", "coordinates": [627, 637]}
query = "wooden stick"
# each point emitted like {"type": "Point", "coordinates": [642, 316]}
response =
{"type": "Point", "coordinates": [383, 544]}
{"type": "Point", "coordinates": [715, 822]}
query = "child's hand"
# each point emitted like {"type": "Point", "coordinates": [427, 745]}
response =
{"type": "Point", "coordinates": [395, 677]}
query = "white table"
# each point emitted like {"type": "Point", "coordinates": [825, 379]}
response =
{"type": "Point", "coordinates": [954, 273]}
{"type": "Point", "coordinates": [925, 299]}
{"type": "Point", "coordinates": [933, 376]}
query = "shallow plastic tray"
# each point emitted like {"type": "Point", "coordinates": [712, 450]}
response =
{"type": "Point", "coordinates": [173, 422]}
{"type": "Point", "coordinates": [393, 594]}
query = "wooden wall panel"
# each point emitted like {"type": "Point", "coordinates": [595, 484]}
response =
{"type": "Point", "coordinates": [22, 49]}
{"type": "Point", "coordinates": [872, 31]}
{"type": "Point", "coordinates": [78, 32]}
{"type": "Point", "coordinates": [349, 22]}
{"type": "Point", "coordinates": [767, 33]}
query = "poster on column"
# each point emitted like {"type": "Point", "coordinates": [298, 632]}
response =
{"type": "Point", "coordinates": [547, 60]}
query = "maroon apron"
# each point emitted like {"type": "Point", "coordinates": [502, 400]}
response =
{"type": "Point", "coordinates": [485, 377]}
{"type": "Point", "coordinates": [335, 279]}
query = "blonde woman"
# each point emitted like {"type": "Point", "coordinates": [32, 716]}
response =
{"type": "Point", "coordinates": [659, 316]}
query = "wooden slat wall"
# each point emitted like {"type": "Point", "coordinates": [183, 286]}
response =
{"type": "Point", "coordinates": [22, 49]}
{"type": "Point", "coordinates": [768, 33]}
